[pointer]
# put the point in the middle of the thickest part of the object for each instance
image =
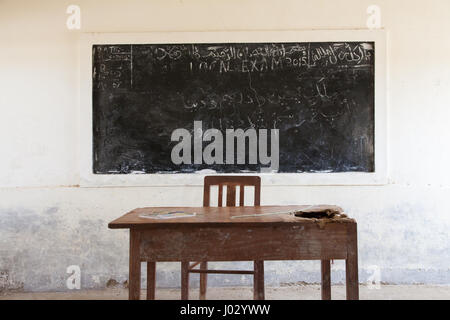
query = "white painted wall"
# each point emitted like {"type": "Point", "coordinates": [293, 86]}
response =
{"type": "Point", "coordinates": [47, 223]}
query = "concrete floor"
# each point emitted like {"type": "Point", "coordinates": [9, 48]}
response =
{"type": "Point", "coordinates": [294, 292]}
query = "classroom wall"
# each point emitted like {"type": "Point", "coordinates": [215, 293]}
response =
{"type": "Point", "coordinates": [47, 223]}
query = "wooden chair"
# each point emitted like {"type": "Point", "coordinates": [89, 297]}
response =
{"type": "Point", "coordinates": [258, 266]}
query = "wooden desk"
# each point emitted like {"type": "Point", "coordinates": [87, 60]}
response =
{"type": "Point", "coordinates": [213, 235]}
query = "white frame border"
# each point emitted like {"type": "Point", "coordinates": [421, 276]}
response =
{"type": "Point", "coordinates": [379, 177]}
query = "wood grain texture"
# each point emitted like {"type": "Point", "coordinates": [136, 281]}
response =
{"type": "Point", "coordinates": [184, 280]}
{"type": "Point", "coordinates": [351, 264]}
{"type": "Point", "coordinates": [233, 243]}
{"type": "Point", "coordinates": [231, 183]}
{"type": "Point", "coordinates": [134, 285]}
{"type": "Point", "coordinates": [326, 279]}
{"type": "Point", "coordinates": [219, 237]}
{"type": "Point", "coordinates": [151, 280]}
{"type": "Point", "coordinates": [203, 280]}
{"type": "Point", "coordinates": [219, 271]}
{"type": "Point", "coordinates": [219, 217]}
{"type": "Point", "coordinates": [258, 280]}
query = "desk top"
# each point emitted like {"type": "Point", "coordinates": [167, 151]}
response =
{"type": "Point", "coordinates": [222, 216]}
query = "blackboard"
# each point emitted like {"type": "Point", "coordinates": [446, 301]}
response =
{"type": "Point", "coordinates": [319, 95]}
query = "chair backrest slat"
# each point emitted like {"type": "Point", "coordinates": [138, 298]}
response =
{"type": "Point", "coordinates": [241, 195]}
{"type": "Point", "coordinates": [220, 202]}
{"type": "Point", "coordinates": [231, 182]}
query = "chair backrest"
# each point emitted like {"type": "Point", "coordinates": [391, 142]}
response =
{"type": "Point", "coordinates": [231, 182]}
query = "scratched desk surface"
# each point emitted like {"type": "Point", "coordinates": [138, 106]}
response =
{"type": "Point", "coordinates": [221, 216]}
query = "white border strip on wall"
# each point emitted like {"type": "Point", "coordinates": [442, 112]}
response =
{"type": "Point", "coordinates": [88, 179]}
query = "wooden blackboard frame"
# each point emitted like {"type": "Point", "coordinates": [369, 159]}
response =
{"type": "Point", "coordinates": [89, 179]}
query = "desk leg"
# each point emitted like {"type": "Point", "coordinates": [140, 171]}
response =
{"type": "Point", "coordinates": [258, 280]}
{"type": "Point", "coordinates": [351, 264]}
{"type": "Point", "coordinates": [151, 280]}
{"type": "Point", "coordinates": [185, 280]}
{"type": "Point", "coordinates": [134, 285]}
{"type": "Point", "coordinates": [326, 279]}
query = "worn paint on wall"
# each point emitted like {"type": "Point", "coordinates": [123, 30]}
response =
{"type": "Point", "coordinates": [48, 230]}
{"type": "Point", "coordinates": [46, 226]}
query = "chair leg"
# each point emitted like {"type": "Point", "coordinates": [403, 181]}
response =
{"type": "Point", "coordinates": [203, 280]}
{"type": "Point", "coordinates": [258, 280]}
{"type": "Point", "coordinates": [185, 280]}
